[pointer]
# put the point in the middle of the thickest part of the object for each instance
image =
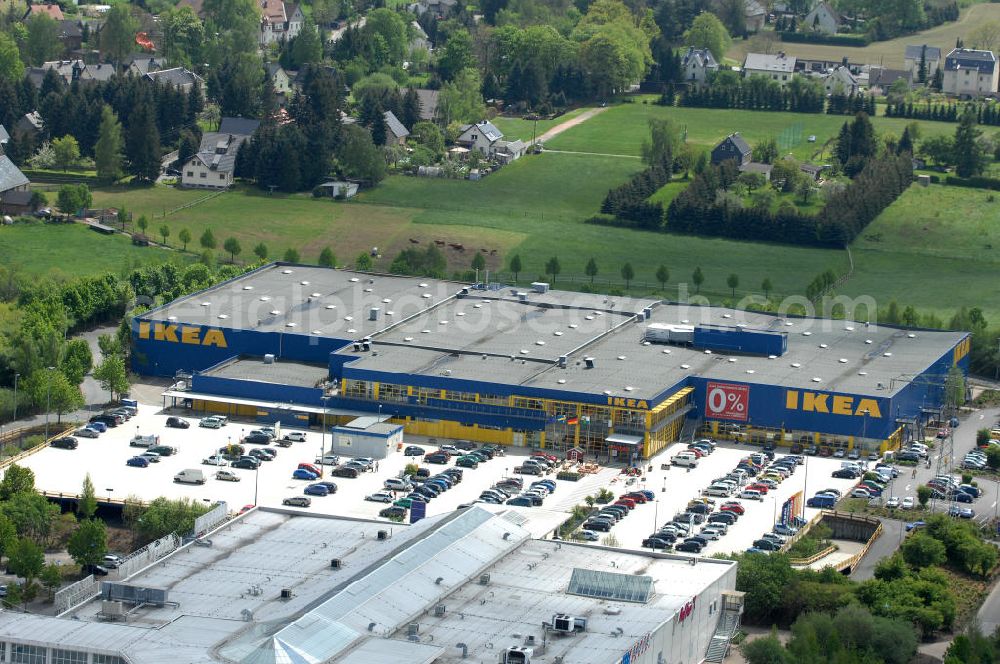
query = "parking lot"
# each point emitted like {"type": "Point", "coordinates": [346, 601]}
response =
{"type": "Point", "coordinates": [676, 486]}
{"type": "Point", "coordinates": [63, 471]}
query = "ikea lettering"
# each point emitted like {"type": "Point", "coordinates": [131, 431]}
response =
{"type": "Point", "coordinates": [835, 404]}
{"type": "Point", "coordinates": [621, 402]}
{"type": "Point", "coordinates": [182, 334]}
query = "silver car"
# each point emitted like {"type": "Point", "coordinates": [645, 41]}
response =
{"type": "Point", "coordinates": [87, 433]}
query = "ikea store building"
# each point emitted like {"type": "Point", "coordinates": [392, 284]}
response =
{"type": "Point", "coordinates": [616, 377]}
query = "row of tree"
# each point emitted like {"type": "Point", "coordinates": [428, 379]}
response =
{"type": "Point", "coordinates": [729, 90]}
{"type": "Point", "coordinates": [984, 114]}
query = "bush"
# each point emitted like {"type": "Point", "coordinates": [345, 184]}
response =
{"type": "Point", "coordinates": [568, 475]}
{"type": "Point", "coordinates": [974, 183]}
{"type": "Point", "coordinates": [820, 38]}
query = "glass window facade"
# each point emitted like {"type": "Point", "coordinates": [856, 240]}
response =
{"type": "Point", "coordinates": [68, 656]}
{"type": "Point", "coordinates": [108, 659]}
{"type": "Point", "coordinates": [25, 654]}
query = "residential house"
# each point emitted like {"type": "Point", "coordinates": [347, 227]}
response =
{"type": "Point", "coordinates": [439, 8]}
{"type": "Point", "coordinates": [70, 71]}
{"type": "Point", "coordinates": [754, 15]}
{"type": "Point", "coordinates": [395, 132]}
{"type": "Point", "coordinates": [71, 34]}
{"type": "Point", "coordinates": [51, 10]}
{"type": "Point", "coordinates": [141, 64]}
{"type": "Point", "coordinates": [214, 166]}
{"type": "Point", "coordinates": [428, 104]}
{"type": "Point", "coordinates": [823, 18]}
{"type": "Point", "coordinates": [779, 67]}
{"type": "Point", "coordinates": [698, 63]}
{"type": "Point", "coordinates": [840, 81]}
{"type": "Point", "coordinates": [420, 40]}
{"type": "Point", "coordinates": [970, 73]}
{"type": "Point", "coordinates": [279, 21]}
{"type": "Point", "coordinates": [179, 77]}
{"type": "Point", "coordinates": [485, 138]}
{"type": "Point", "coordinates": [812, 171]}
{"type": "Point", "coordinates": [279, 78]}
{"type": "Point", "coordinates": [30, 124]}
{"type": "Point", "coordinates": [238, 126]}
{"type": "Point", "coordinates": [757, 167]}
{"type": "Point", "coordinates": [15, 196]}
{"type": "Point", "coordinates": [4, 138]}
{"type": "Point", "coordinates": [930, 55]}
{"type": "Point", "coordinates": [880, 79]}
{"type": "Point", "coordinates": [735, 147]}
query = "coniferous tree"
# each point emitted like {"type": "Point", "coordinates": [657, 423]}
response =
{"type": "Point", "coordinates": [142, 144]}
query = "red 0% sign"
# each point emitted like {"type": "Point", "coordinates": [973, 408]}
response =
{"type": "Point", "coordinates": [727, 401]}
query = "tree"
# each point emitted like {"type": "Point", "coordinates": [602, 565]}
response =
{"type": "Point", "coordinates": [360, 158]}
{"type": "Point", "coordinates": [232, 245]}
{"type": "Point", "coordinates": [87, 545]}
{"type": "Point", "coordinates": [51, 578]}
{"type": "Point", "coordinates": [143, 224]}
{"type": "Point", "coordinates": [326, 257]}
{"type": "Point", "coordinates": [260, 251]}
{"type": "Point", "coordinates": [164, 232]}
{"type": "Point", "coordinates": [922, 550]}
{"type": "Point", "coordinates": [292, 255]}
{"type": "Point", "coordinates": [628, 274]}
{"type": "Point", "coordinates": [766, 151]}
{"type": "Point", "coordinates": [112, 375]}
{"type": "Point", "coordinates": [969, 157]}
{"type": "Point", "coordinates": [954, 388]}
{"type": "Point", "coordinates": [25, 559]}
{"type": "Point", "coordinates": [164, 516]}
{"type": "Point", "coordinates": [118, 33]}
{"type": "Point", "coordinates": [108, 150]}
{"type": "Point", "coordinates": [307, 48]}
{"type": "Point", "coordinates": [733, 281]}
{"type": "Point", "coordinates": [142, 141]}
{"type": "Point", "coordinates": [707, 31]}
{"type": "Point", "coordinates": [923, 495]}
{"type": "Point", "coordinates": [11, 67]}
{"type": "Point", "coordinates": [697, 278]}
{"type": "Point", "coordinates": [752, 180]}
{"type": "Point", "coordinates": [460, 100]}
{"type": "Point", "coordinates": [42, 41]}
{"type": "Point", "coordinates": [8, 534]}
{"type": "Point", "coordinates": [16, 480]}
{"type": "Point", "coordinates": [985, 36]}
{"type": "Point", "coordinates": [389, 28]}
{"type": "Point", "coordinates": [591, 269]}
{"type": "Point", "coordinates": [478, 262]}
{"type": "Point", "coordinates": [552, 267]}
{"type": "Point", "coordinates": [766, 287]}
{"type": "Point", "coordinates": [663, 276]}
{"type": "Point", "coordinates": [515, 265]}
{"type": "Point", "coordinates": [765, 650]}
{"type": "Point", "coordinates": [185, 237]}
{"type": "Point", "coordinates": [993, 457]}
{"type": "Point", "coordinates": [31, 515]}
{"type": "Point", "coordinates": [73, 198]}
{"type": "Point", "coordinates": [67, 152]}
{"type": "Point", "coordinates": [87, 506]}
{"type": "Point", "coordinates": [456, 56]}
{"type": "Point", "coordinates": [77, 360]}
{"type": "Point", "coordinates": [939, 149]}
{"type": "Point", "coordinates": [363, 262]}
{"type": "Point", "coordinates": [663, 144]}
{"type": "Point", "coordinates": [50, 389]}
{"type": "Point", "coordinates": [183, 36]}
{"type": "Point", "coordinates": [208, 239]}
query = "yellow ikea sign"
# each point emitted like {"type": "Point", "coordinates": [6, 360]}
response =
{"type": "Point", "coordinates": [961, 350]}
{"type": "Point", "coordinates": [183, 334]}
{"type": "Point", "coordinates": [621, 402]}
{"type": "Point", "coordinates": [835, 404]}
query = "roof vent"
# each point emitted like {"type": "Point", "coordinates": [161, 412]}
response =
{"type": "Point", "coordinates": [439, 610]}
{"type": "Point", "coordinates": [732, 359]}
{"type": "Point", "coordinates": [331, 306]}
{"type": "Point", "coordinates": [807, 334]}
{"type": "Point", "coordinates": [588, 362]}
{"type": "Point", "coordinates": [868, 341]}
{"type": "Point", "coordinates": [911, 336]}
{"type": "Point", "coordinates": [562, 361]}
{"type": "Point", "coordinates": [335, 563]}
{"type": "Point", "coordinates": [248, 288]}
{"type": "Point", "coordinates": [823, 346]}
{"type": "Point", "coordinates": [382, 535]}
{"type": "Point", "coordinates": [286, 271]}
{"type": "Point", "coordinates": [886, 354]}
{"type": "Point", "coordinates": [685, 366]}
{"type": "Point", "coordinates": [817, 379]}
{"type": "Point", "coordinates": [796, 364]}
{"type": "Point", "coordinates": [413, 629]}
{"type": "Point", "coordinates": [317, 295]}
{"type": "Point", "coordinates": [561, 381]}
{"type": "Point", "coordinates": [304, 283]}
{"type": "Point", "coordinates": [750, 371]}
{"type": "Point", "coordinates": [286, 593]}
{"type": "Point", "coordinates": [666, 351]}
{"type": "Point", "coordinates": [621, 357]}
{"type": "Point", "coordinates": [484, 579]}
{"type": "Point", "coordinates": [843, 360]}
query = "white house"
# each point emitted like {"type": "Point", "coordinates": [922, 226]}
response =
{"type": "Point", "coordinates": [778, 67]}
{"type": "Point", "coordinates": [823, 18]}
{"type": "Point", "coordinates": [486, 139]}
{"type": "Point", "coordinates": [214, 166]}
{"type": "Point", "coordinates": [931, 55]}
{"type": "Point", "coordinates": [698, 63]}
{"type": "Point", "coordinates": [279, 21]}
{"type": "Point", "coordinates": [279, 78]}
{"type": "Point", "coordinates": [970, 73]}
{"type": "Point", "coordinates": [840, 81]}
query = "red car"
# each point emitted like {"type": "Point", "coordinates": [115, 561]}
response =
{"type": "Point", "coordinates": [637, 497]}
{"type": "Point", "coordinates": [550, 457]}
{"type": "Point", "coordinates": [311, 468]}
{"type": "Point", "coordinates": [734, 508]}
{"type": "Point", "coordinates": [763, 488]}
{"type": "Point", "coordinates": [697, 453]}
{"type": "Point", "coordinates": [626, 502]}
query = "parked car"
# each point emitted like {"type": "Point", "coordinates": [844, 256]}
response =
{"type": "Point", "coordinates": [784, 529]}
{"type": "Point", "coordinates": [227, 476]}
{"type": "Point", "coordinates": [295, 437]}
{"type": "Point", "coordinates": [96, 570]}
{"type": "Point", "coordinates": [111, 561]}
{"type": "Point", "coordinates": [467, 461]}
{"type": "Point", "coordinates": [86, 432]}
{"type": "Point", "coordinates": [153, 457]}
{"type": "Point", "coordinates": [177, 423]}
{"type": "Point", "coordinates": [588, 536]}
{"type": "Point", "coordinates": [439, 458]}
{"type": "Point", "coordinates": [211, 422]}
{"type": "Point", "coordinates": [892, 503]}
{"type": "Point", "coordinates": [258, 438]}
{"type": "Point", "coordinates": [656, 543]}
{"type": "Point", "coordinates": [316, 490]}
{"type": "Point", "coordinates": [138, 462]}
{"type": "Point", "coordinates": [766, 545]}
{"type": "Point", "coordinates": [380, 497]}
{"type": "Point", "coordinates": [99, 427]}
{"type": "Point", "coordinates": [163, 450]}
{"type": "Point", "coordinates": [689, 546]}
{"type": "Point", "coordinates": [345, 471]}
{"type": "Point", "coordinates": [297, 501]}
{"type": "Point", "coordinates": [248, 463]}
{"type": "Point", "coordinates": [413, 450]}
{"type": "Point", "coordinates": [65, 443]}
{"type": "Point", "coordinates": [303, 474]}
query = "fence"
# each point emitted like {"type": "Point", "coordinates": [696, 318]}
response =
{"type": "Point", "coordinates": [148, 555]}
{"type": "Point", "coordinates": [76, 593]}
{"type": "Point", "coordinates": [203, 199]}
{"type": "Point", "coordinates": [31, 450]}
{"type": "Point", "coordinates": [211, 519]}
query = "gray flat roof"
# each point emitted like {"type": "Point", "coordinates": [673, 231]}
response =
{"type": "Point", "coordinates": [277, 372]}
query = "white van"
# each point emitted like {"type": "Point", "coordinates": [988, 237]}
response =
{"type": "Point", "coordinates": [685, 459]}
{"type": "Point", "coordinates": [190, 476]}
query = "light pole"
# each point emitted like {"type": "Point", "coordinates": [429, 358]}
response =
{"type": "Point", "coordinates": [48, 402]}
{"type": "Point", "coordinates": [16, 376]}
{"type": "Point", "coordinates": [256, 474]}
{"type": "Point", "coordinates": [322, 438]}
{"type": "Point", "coordinates": [656, 511]}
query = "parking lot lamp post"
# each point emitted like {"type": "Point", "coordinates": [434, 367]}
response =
{"type": "Point", "coordinates": [16, 376]}
{"type": "Point", "coordinates": [322, 438]}
{"type": "Point", "coordinates": [656, 512]}
{"type": "Point", "coordinates": [256, 474]}
{"type": "Point", "coordinates": [48, 402]}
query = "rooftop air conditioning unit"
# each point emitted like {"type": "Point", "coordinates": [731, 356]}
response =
{"type": "Point", "coordinates": [112, 609]}
{"type": "Point", "coordinates": [517, 655]}
{"type": "Point", "coordinates": [383, 534]}
{"type": "Point", "coordinates": [335, 563]}
{"type": "Point", "coordinates": [484, 579]}
{"type": "Point", "coordinates": [539, 287]}
{"type": "Point", "coordinates": [373, 313]}
{"type": "Point", "coordinates": [286, 593]}
{"type": "Point", "coordinates": [269, 358]}
{"type": "Point", "coordinates": [413, 629]}
{"type": "Point", "coordinates": [588, 362]}
{"type": "Point", "coordinates": [522, 296]}
{"type": "Point", "coordinates": [439, 610]}
{"type": "Point", "coordinates": [566, 624]}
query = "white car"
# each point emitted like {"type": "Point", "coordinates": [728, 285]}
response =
{"type": "Point", "coordinates": [907, 503]}
{"type": "Point", "coordinates": [152, 457]}
{"type": "Point", "coordinates": [211, 422]}
{"type": "Point", "coordinates": [451, 449]}
{"type": "Point", "coordinates": [589, 535]}
{"type": "Point", "coordinates": [892, 503]}
{"type": "Point", "coordinates": [215, 460]}
{"type": "Point", "coordinates": [329, 460]}
{"type": "Point", "coordinates": [295, 437]}
{"type": "Point", "coordinates": [227, 476]}
{"type": "Point", "coordinates": [380, 497]}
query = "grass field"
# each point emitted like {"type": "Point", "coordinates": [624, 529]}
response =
{"type": "Point", "coordinates": [524, 129]}
{"type": "Point", "coordinates": [888, 53]}
{"type": "Point", "coordinates": [70, 250]}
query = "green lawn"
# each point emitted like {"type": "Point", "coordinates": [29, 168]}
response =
{"type": "Point", "coordinates": [525, 129]}
{"type": "Point", "coordinates": [667, 192]}
{"type": "Point", "coordinates": [621, 130]}
{"type": "Point", "coordinates": [70, 250]}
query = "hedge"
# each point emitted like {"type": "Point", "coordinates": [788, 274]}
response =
{"type": "Point", "coordinates": [975, 183]}
{"type": "Point", "coordinates": [568, 476]}
{"type": "Point", "coordinates": [819, 38]}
